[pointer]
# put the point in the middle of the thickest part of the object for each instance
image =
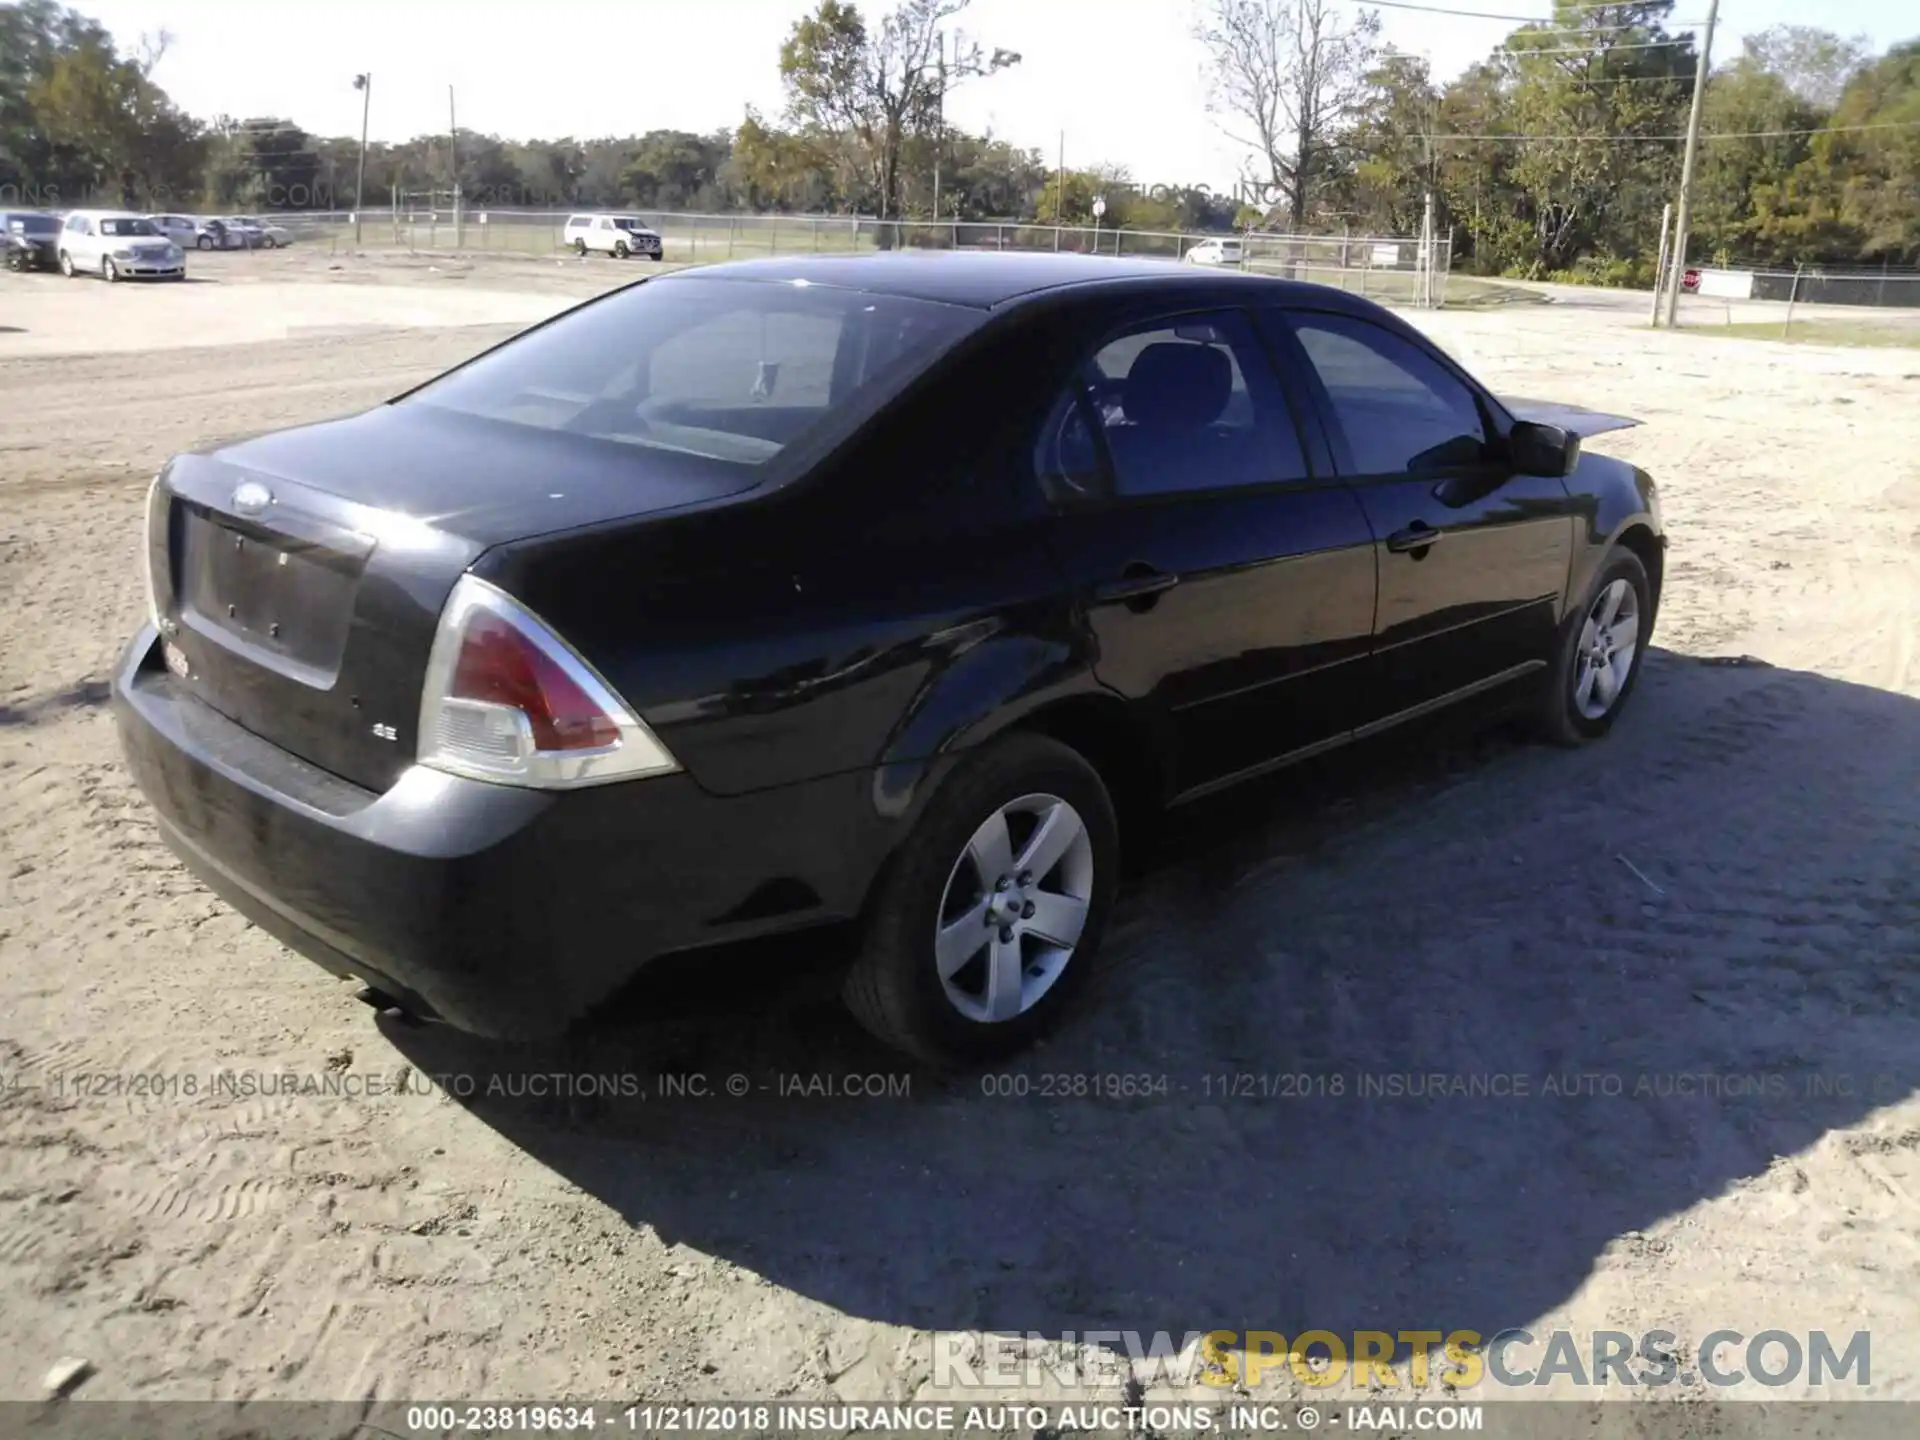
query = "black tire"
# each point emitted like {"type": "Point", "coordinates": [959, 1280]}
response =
{"type": "Point", "coordinates": [1559, 719]}
{"type": "Point", "coordinates": [270, 243]}
{"type": "Point", "coordinates": [620, 250]}
{"type": "Point", "coordinates": [66, 265]}
{"type": "Point", "coordinates": [580, 249]}
{"type": "Point", "coordinates": [205, 242]}
{"type": "Point", "coordinates": [109, 271]}
{"type": "Point", "coordinates": [893, 988]}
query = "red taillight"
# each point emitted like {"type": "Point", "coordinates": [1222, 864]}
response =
{"type": "Point", "coordinates": [500, 666]}
{"type": "Point", "coordinates": [506, 699]}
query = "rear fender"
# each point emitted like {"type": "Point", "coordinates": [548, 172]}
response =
{"type": "Point", "coordinates": [987, 689]}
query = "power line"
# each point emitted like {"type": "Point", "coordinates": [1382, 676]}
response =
{"type": "Point", "coordinates": [1516, 19]}
{"type": "Point", "coordinates": [1598, 49]}
{"type": "Point", "coordinates": [1584, 81]}
{"type": "Point", "coordinates": [1717, 135]}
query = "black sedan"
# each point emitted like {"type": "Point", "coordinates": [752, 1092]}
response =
{"type": "Point", "coordinates": [31, 239]}
{"type": "Point", "coordinates": [893, 589]}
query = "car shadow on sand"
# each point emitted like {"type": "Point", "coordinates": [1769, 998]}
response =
{"type": "Point", "coordinates": [1417, 1039]}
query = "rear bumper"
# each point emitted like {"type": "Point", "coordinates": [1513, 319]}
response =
{"type": "Point", "coordinates": [505, 912]}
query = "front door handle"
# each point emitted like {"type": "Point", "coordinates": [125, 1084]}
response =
{"type": "Point", "coordinates": [1138, 587]}
{"type": "Point", "coordinates": [1417, 536]}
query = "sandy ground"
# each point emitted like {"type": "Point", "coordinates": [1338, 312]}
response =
{"type": "Point", "coordinates": [1720, 901]}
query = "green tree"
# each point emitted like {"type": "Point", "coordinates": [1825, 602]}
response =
{"type": "Point", "coordinates": [1872, 153]}
{"type": "Point", "coordinates": [108, 130]}
{"type": "Point", "coordinates": [878, 87]}
{"type": "Point", "coordinates": [1604, 90]}
{"type": "Point", "coordinates": [1389, 151]}
{"type": "Point", "coordinates": [1741, 181]}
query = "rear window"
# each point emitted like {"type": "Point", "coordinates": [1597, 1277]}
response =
{"type": "Point", "coordinates": [727, 370]}
{"type": "Point", "coordinates": [127, 227]}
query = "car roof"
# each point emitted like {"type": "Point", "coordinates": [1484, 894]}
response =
{"type": "Point", "coordinates": [986, 279]}
{"type": "Point", "coordinates": [109, 214]}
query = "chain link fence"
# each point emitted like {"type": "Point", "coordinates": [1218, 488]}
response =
{"type": "Point", "coordinates": [1847, 304]}
{"type": "Point", "coordinates": [1394, 269]}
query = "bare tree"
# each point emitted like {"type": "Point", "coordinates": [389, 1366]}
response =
{"type": "Point", "coordinates": [879, 86]}
{"type": "Point", "coordinates": [1816, 64]}
{"type": "Point", "coordinates": [151, 50]}
{"type": "Point", "coordinates": [1286, 77]}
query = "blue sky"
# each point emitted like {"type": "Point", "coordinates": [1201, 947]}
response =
{"type": "Point", "coordinates": [1121, 78]}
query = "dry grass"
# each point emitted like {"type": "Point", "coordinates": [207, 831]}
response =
{"type": "Point", "coordinates": [1821, 332]}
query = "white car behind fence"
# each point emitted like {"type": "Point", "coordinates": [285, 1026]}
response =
{"type": "Point", "coordinates": [1216, 252]}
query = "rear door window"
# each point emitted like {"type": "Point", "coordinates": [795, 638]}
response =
{"type": "Point", "coordinates": [1178, 405]}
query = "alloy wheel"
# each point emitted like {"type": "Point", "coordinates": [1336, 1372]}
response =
{"type": "Point", "coordinates": [1014, 907]}
{"type": "Point", "coordinates": [1609, 640]}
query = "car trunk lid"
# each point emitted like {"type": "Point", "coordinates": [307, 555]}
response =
{"type": "Point", "coordinates": [300, 575]}
{"type": "Point", "coordinates": [1581, 421]}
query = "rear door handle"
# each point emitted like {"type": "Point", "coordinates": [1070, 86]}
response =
{"type": "Point", "coordinates": [1417, 536]}
{"type": "Point", "coordinates": [1139, 585]}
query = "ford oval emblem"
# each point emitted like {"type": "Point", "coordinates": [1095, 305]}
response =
{"type": "Point", "coordinates": [252, 498]}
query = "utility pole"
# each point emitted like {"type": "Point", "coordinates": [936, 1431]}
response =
{"type": "Point", "coordinates": [1660, 264]}
{"type": "Point", "coordinates": [1425, 288]}
{"type": "Point", "coordinates": [453, 164]}
{"type": "Point", "coordinates": [1060, 192]}
{"type": "Point", "coordinates": [1680, 216]}
{"type": "Point", "coordinates": [364, 84]}
{"type": "Point", "coordinates": [940, 115]}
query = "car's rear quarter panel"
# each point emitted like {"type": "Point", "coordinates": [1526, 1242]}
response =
{"type": "Point", "coordinates": [880, 612]}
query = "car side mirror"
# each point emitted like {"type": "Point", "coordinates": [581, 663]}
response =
{"type": "Point", "coordinates": [1536, 449]}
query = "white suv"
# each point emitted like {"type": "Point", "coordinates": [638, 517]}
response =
{"type": "Point", "coordinates": [1216, 252]}
{"type": "Point", "coordinates": [116, 243]}
{"type": "Point", "coordinates": [618, 235]}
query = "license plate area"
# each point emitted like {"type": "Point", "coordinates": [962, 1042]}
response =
{"type": "Point", "coordinates": [282, 600]}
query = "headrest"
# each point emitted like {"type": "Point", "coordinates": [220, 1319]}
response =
{"type": "Point", "coordinates": [1178, 386]}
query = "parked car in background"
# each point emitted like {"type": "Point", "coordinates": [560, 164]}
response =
{"type": "Point", "coordinates": [116, 244]}
{"type": "Point", "coordinates": [616, 235]}
{"type": "Point", "coordinates": [1216, 252]}
{"type": "Point", "coordinates": [31, 238]}
{"type": "Point", "coordinates": [193, 232]}
{"type": "Point", "coordinates": [247, 234]}
{"type": "Point", "coordinates": [270, 235]}
{"type": "Point", "coordinates": [887, 590]}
